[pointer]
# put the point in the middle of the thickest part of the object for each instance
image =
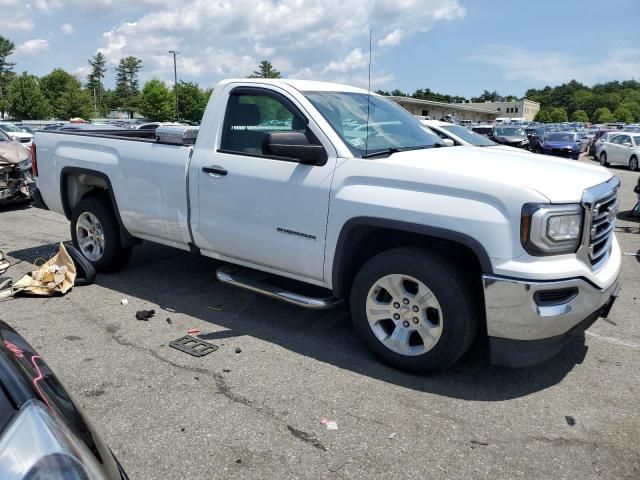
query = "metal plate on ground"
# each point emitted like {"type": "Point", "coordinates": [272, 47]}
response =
{"type": "Point", "coordinates": [193, 346]}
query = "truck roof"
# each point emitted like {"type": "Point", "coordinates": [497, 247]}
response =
{"type": "Point", "coordinates": [301, 85]}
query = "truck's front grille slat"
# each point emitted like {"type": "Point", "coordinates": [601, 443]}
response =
{"type": "Point", "coordinates": [601, 210]}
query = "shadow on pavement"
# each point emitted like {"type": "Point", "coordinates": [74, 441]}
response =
{"type": "Point", "coordinates": [15, 205]}
{"type": "Point", "coordinates": [186, 283]}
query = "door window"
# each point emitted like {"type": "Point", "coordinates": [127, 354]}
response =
{"type": "Point", "coordinates": [251, 116]}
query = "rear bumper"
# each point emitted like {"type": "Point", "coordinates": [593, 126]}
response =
{"type": "Point", "coordinates": [529, 322]}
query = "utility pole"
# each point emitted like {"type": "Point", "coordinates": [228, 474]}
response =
{"type": "Point", "coordinates": [175, 81]}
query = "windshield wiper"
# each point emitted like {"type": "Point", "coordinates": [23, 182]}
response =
{"type": "Point", "coordinates": [392, 150]}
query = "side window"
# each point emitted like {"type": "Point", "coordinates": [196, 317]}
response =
{"type": "Point", "coordinates": [250, 117]}
{"type": "Point", "coordinates": [625, 139]}
{"type": "Point", "coordinates": [617, 139]}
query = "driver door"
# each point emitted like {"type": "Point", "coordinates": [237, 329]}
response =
{"type": "Point", "coordinates": [257, 209]}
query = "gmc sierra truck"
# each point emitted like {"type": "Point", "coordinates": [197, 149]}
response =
{"type": "Point", "coordinates": [302, 183]}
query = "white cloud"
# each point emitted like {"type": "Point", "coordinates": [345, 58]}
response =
{"type": "Point", "coordinates": [32, 47]}
{"type": "Point", "coordinates": [19, 18]}
{"type": "Point", "coordinates": [67, 29]}
{"type": "Point", "coordinates": [352, 61]}
{"type": "Point", "coordinates": [544, 68]}
{"type": "Point", "coordinates": [303, 38]}
{"type": "Point", "coordinates": [392, 38]}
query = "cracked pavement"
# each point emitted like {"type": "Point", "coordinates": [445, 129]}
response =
{"type": "Point", "coordinates": [256, 414]}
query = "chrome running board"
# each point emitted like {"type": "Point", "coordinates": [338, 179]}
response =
{"type": "Point", "coordinates": [240, 277]}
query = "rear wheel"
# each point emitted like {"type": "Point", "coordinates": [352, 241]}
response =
{"type": "Point", "coordinates": [603, 159]}
{"type": "Point", "coordinates": [96, 233]}
{"type": "Point", "coordinates": [413, 309]}
{"type": "Point", "coordinates": [633, 164]}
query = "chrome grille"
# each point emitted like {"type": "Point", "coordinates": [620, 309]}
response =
{"type": "Point", "coordinates": [601, 208]}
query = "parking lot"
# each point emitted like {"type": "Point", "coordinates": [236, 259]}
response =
{"type": "Point", "coordinates": [253, 408]}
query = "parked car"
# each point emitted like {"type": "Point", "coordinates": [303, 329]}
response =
{"type": "Point", "coordinates": [535, 135]}
{"type": "Point", "coordinates": [621, 149]}
{"type": "Point", "coordinates": [459, 135]}
{"type": "Point", "coordinates": [428, 245]}
{"type": "Point", "coordinates": [483, 130]}
{"type": "Point", "coordinates": [597, 139]}
{"type": "Point", "coordinates": [17, 133]}
{"type": "Point", "coordinates": [43, 433]}
{"type": "Point", "coordinates": [512, 136]}
{"type": "Point", "coordinates": [15, 170]}
{"type": "Point", "coordinates": [561, 144]}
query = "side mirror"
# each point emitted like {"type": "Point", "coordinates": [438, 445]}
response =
{"type": "Point", "coordinates": [294, 146]}
{"type": "Point", "coordinates": [448, 142]}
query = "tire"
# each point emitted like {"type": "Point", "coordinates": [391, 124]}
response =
{"type": "Point", "coordinates": [633, 164]}
{"type": "Point", "coordinates": [85, 272]}
{"type": "Point", "coordinates": [603, 159]}
{"type": "Point", "coordinates": [106, 253]}
{"type": "Point", "coordinates": [449, 316]}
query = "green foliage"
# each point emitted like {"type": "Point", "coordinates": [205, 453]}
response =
{"type": "Point", "coordinates": [558, 115]}
{"type": "Point", "coordinates": [265, 70]}
{"type": "Point", "coordinates": [26, 100]}
{"type": "Point", "coordinates": [623, 114]}
{"type": "Point", "coordinates": [6, 72]}
{"type": "Point", "coordinates": [94, 80]}
{"type": "Point", "coordinates": [574, 96]}
{"type": "Point", "coordinates": [579, 116]}
{"type": "Point", "coordinates": [65, 95]}
{"type": "Point", "coordinates": [192, 101]}
{"type": "Point", "coordinates": [543, 115]}
{"type": "Point", "coordinates": [157, 102]}
{"type": "Point", "coordinates": [127, 92]}
{"type": "Point", "coordinates": [603, 115]}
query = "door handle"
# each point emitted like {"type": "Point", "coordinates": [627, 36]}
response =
{"type": "Point", "coordinates": [215, 170]}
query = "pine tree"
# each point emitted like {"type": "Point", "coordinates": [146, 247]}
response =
{"type": "Point", "coordinates": [94, 79]}
{"type": "Point", "coordinates": [7, 47]}
{"type": "Point", "coordinates": [265, 70]}
{"type": "Point", "coordinates": [127, 93]}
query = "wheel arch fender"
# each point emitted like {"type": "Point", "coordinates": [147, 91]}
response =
{"type": "Point", "coordinates": [78, 182]}
{"type": "Point", "coordinates": [355, 230]}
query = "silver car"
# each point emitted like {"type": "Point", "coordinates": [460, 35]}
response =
{"type": "Point", "coordinates": [621, 149]}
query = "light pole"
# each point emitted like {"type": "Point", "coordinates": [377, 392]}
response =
{"type": "Point", "coordinates": [175, 80]}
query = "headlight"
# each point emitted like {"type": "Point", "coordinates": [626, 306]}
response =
{"type": "Point", "coordinates": [550, 229]}
{"type": "Point", "coordinates": [24, 165]}
{"type": "Point", "coordinates": [37, 444]}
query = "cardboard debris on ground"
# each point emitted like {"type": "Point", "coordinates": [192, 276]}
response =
{"type": "Point", "coordinates": [54, 277]}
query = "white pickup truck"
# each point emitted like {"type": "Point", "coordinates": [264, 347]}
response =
{"type": "Point", "coordinates": [428, 245]}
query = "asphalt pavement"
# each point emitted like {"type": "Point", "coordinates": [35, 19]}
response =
{"type": "Point", "coordinates": [254, 408]}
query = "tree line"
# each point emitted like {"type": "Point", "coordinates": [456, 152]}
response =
{"type": "Point", "coordinates": [61, 95]}
{"type": "Point", "coordinates": [604, 102]}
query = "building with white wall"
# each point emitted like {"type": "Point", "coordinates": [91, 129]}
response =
{"type": "Point", "coordinates": [438, 110]}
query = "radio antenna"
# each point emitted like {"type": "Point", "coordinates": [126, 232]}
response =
{"type": "Point", "coordinates": [366, 141]}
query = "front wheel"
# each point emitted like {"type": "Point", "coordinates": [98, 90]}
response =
{"type": "Point", "coordinates": [633, 164]}
{"type": "Point", "coordinates": [96, 233]}
{"type": "Point", "coordinates": [413, 309]}
{"type": "Point", "coordinates": [603, 159]}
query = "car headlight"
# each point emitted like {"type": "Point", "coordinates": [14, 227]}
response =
{"type": "Point", "coordinates": [24, 165]}
{"type": "Point", "coordinates": [37, 444]}
{"type": "Point", "coordinates": [550, 229]}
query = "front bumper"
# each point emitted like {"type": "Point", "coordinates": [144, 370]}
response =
{"type": "Point", "coordinates": [529, 322]}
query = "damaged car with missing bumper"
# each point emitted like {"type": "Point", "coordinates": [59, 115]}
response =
{"type": "Point", "coordinates": [15, 171]}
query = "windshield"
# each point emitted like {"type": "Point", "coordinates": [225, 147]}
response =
{"type": "Point", "coordinates": [561, 137]}
{"type": "Point", "coordinates": [468, 136]}
{"type": "Point", "coordinates": [9, 128]}
{"type": "Point", "coordinates": [390, 126]}
{"type": "Point", "coordinates": [510, 132]}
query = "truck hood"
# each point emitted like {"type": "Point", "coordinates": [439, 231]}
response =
{"type": "Point", "coordinates": [12, 152]}
{"type": "Point", "coordinates": [559, 180]}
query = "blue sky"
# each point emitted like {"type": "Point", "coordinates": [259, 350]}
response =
{"type": "Point", "coordinates": [451, 46]}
